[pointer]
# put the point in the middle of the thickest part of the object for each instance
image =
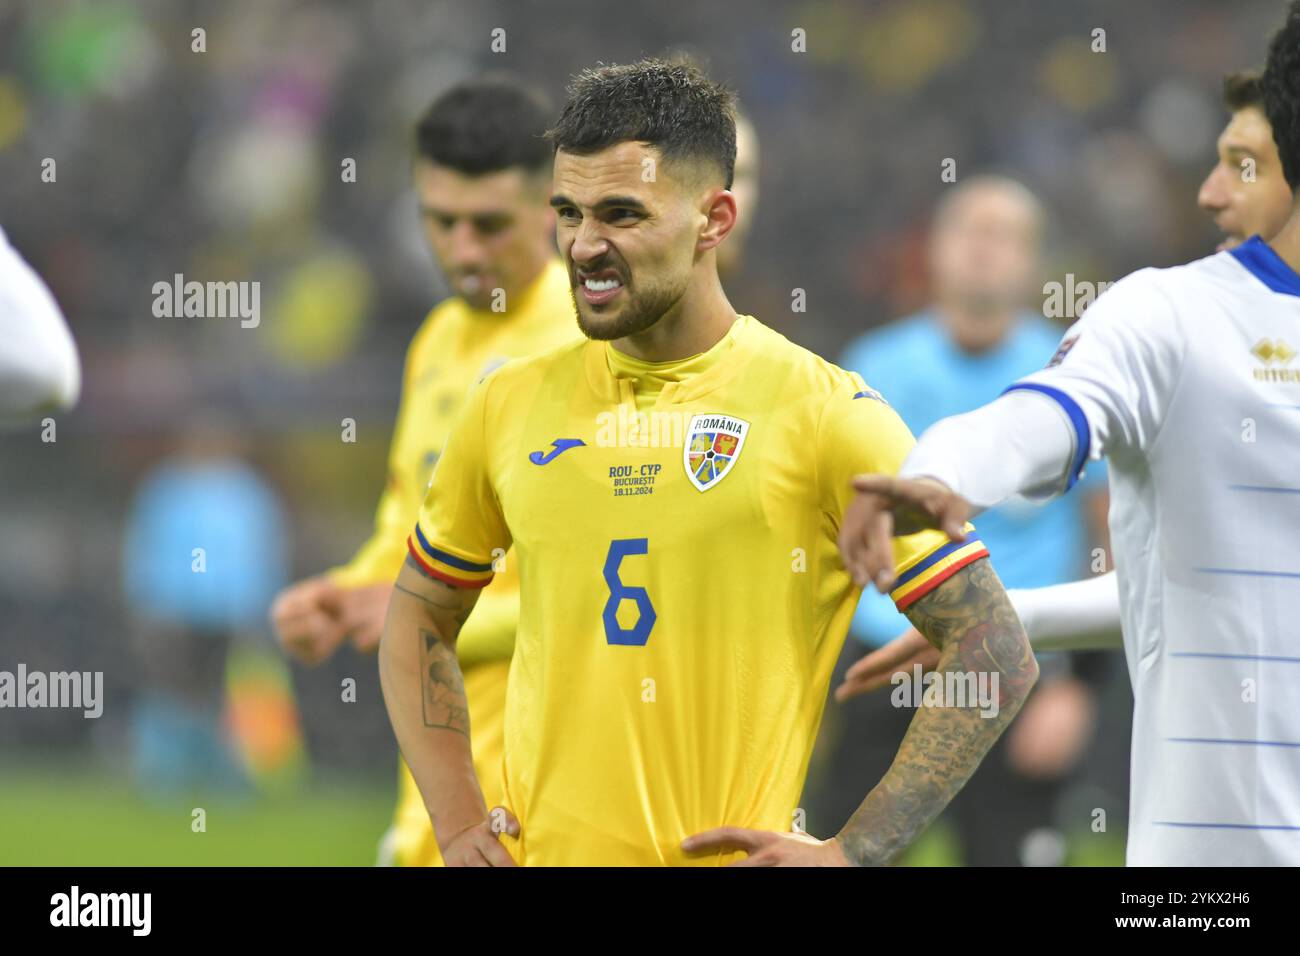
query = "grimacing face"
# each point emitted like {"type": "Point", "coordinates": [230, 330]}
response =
{"type": "Point", "coordinates": [483, 230]}
{"type": "Point", "coordinates": [627, 229]}
{"type": "Point", "coordinates": [1241, 207]}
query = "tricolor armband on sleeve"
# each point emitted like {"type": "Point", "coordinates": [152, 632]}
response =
{"type": "Point", "coordinates": [935, 568]}
{"type": "Point", "coordinates": [446, 566]}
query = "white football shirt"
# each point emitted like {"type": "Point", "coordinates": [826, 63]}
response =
{"type": "Point", "coordinates": [1188, 381]}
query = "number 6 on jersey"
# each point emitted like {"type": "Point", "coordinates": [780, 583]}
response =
{"type": "Point", "coordinates": [639, 633]}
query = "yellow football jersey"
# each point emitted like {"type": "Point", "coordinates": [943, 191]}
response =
{"type": "Point", "coordinates": [453, 348]}
{"type": "Point", "coordinates": [682, 596]}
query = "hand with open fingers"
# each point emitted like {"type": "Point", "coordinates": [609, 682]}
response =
{"type": "Point", "coordinates": [306, 619]}
{"type": "Point", "coordinates": [766, 848]}
{"type": "Point", "coordinates": [479, 845]}
{"type": "Point", "coordinates": [886, 506]}
{"type": "Point", "coordinates": [362, 611]}
{"type": "Point", "coordinates": [877, 669]}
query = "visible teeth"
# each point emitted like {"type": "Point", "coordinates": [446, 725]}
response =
{"type": "Point", "coordinates": [601, 285]}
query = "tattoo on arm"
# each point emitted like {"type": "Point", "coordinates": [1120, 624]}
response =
{"type": "Point", "coordinates": [442, 686]}
{"type": "Point", "coordinates": [439, 601]}
{"type": "Point", "coordinates": [971, 621]}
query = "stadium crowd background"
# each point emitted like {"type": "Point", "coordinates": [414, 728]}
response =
{"type": "Point", "coordinates": [226, 165]}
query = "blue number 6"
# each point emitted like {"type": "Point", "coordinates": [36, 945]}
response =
{"type": "Point", "coordinates": [637, 635]}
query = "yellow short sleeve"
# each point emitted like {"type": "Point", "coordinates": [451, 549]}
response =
{"type": "Point", "coordinates": [859, 433]}
{"type": "Point", "coordinates": [461, 530]}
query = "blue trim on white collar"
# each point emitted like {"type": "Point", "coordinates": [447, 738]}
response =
{"type": "Point", "coordinates": [1267, 266]}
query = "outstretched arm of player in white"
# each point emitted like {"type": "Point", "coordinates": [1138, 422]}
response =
{"type": "Point", "coordinates": [425, 695]}
{"type": "Point", "coordinates": [1075, 616]}
{"type": "Point", "coordinates": [1021, 443]}
{"type": "Point", "coordinates": [1108, 388]}
{"type": "Point", "coordinates": [39, 370]}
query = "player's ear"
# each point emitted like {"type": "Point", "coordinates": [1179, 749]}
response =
{"type": "Point", "coordinates": [720, 218]}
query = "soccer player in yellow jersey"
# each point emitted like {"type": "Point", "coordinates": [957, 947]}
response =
{"type": "Point", "coordinates": [482, 175]}
{"type": "Point", "coordinates": [673, 489]}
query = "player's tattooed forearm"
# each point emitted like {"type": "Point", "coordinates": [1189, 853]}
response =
{"type": "Point", "coordinates": [442, 687]}
{"type": "Point", "coordinates": [970, 619]}
{"type": "Point", "coordinates": [971, 613]}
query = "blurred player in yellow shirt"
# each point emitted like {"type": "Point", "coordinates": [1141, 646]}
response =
{"type": "Point", "coordinates": [673, 489]}
{"type": "Point", "coordinates": [482, 176]}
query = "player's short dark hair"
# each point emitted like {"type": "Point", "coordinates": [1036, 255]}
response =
{"type": "Point", "coordinates": [486, 126]}
{"type": "Point", "coordinates": [1281, 83]}
{"type": "Point", "coordinates": [1243, 90]}
{"type": "Point", "coordinates": [669, 104]}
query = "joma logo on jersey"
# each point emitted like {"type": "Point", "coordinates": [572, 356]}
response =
{"type": "Point", "coordinates": [713, 443]}
{"type": "Point", "coordinates": [1270, 352]}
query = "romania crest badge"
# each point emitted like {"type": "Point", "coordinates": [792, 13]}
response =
{"type": "Point", "coordinates": [712, 445]}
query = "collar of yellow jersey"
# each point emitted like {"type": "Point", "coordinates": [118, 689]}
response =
{"type": "Point", "coordinates": [733, 353]}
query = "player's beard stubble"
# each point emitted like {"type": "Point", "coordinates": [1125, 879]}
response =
{"type": "Point", "coordinates": [642, 308]}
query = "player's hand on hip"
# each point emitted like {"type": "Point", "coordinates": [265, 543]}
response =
{"type": "Point", "coordinates": [362, 611]}
{"type": "Point", "coordinates": [886, 506]}
{"type": "Point", "coordinates": [766, 848]}
{"type": "Point", "coordinates": [479, 845]}
{"type": "Point", "coordinates": [877, 669]}
{"type": "Point", "coordinates": [306, 619]}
